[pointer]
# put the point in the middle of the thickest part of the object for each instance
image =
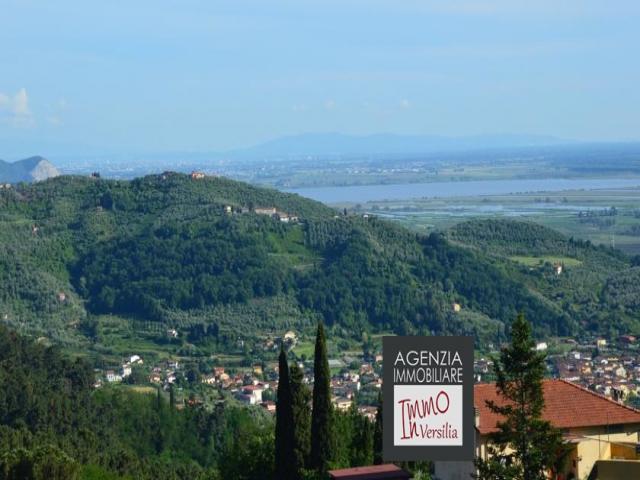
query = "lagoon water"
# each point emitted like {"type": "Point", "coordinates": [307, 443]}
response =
{"type": "Point", "coordinates": [366, 193]}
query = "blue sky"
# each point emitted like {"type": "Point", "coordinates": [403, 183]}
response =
{"type": "Point", "coordinates": [213, 75]}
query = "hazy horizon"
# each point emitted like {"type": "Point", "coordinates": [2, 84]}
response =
{"type": "Point", "coordinates": [314, 144]}
{"type": "Point", "coordinates": [195, 76]}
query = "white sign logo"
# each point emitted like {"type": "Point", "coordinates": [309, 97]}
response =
{"type": "Point", "coordinates": [427, 415]}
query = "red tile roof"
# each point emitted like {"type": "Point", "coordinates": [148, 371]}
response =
{"type": "Point", "coordinates": [373, 472]}
{"type": "Point", "coordinates": [252, 388]}
{"type": "Point", "coordinates": [567, 405]}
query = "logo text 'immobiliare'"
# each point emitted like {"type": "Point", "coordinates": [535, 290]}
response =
{"type": "Point", "coordinates": [428, 398]}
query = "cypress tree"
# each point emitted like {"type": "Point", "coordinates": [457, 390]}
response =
{"type": "Point", "coordinates": [284, 454]}
{"type": "Point", "coordinates": [172, 398]}
{"type": "Point", "coordinates": [321, 425]}
{"type": "Point", "coordinates": [301, 400]}
{"type": "Point", "coordinates": [377, 434]}
{"type": "Point", "coordinates": [525, 447]}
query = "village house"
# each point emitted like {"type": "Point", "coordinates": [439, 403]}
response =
{"type": "Point", "coordinates": [172, 333]}
{"type": "Point", "coordinates": [269, 406]}
{"type": "Point", "coordinates": [290, 339]}
{"type": "Point", "coordinates": [126, 370]}
{"type": "Point", "coordinates": [251, 394]}
{"type": "Point", "coordinates": [342, 403]}
{"type": "Point", "coordinates": [285, 217]}
{"type": "Point", "coordinates": [368, 411]}
{"type": "Point", "coordinates": [344, 389]}
{"type": "Point", "coordinates": [366, 369]}
{"type": "Point", "coordinates": [541, 346]}
{"type": "Point", "coordinates": [265, 211]}
{"type": "Point", "coordinates": [627, 339]}
{"type": "Point", "coordinates": [197, 175]}
{"type": "Point", "coordinates": [135, 360]}
{"type": "Point", "coordinates": [113, 377]}
{"type": "Point", "coordinates": [603, 434]}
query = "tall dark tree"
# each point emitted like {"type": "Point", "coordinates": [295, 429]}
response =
{"type": "Point", "coordinates": [172, 398]}
{"type": "Point", "coordinates": [158, 400]}
{"type": "Point", "coordinates": [321, 414]}
{"type": "Point", "coordinates": [301, 400]}
{"type": "Point", "coordinates": [157, 419]}
{"type": "Point", "coordinates": [284, 452]}
{"type": "Point", "coordinates": [525, 447]}
{"type": "Point", "coordinates": [377, 434]}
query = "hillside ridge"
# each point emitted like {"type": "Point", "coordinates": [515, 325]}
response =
{"type": "Point", "coordinates": [216, 255]}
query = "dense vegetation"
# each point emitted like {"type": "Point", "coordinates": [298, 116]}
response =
{"type": "Point", "coordinates": [53, 419]}
{"type": "Point", "coordinates": [184, 265]}
{"type": "Point", "coordinates": [595, 289]}
{"type": "Point", "coordinates": [170, 251]}
{"type": "Point", "coordinates": [55, 426]}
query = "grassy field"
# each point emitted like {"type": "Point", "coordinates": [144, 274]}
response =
{"type": "Point", "coordinates": [142, 389]}
{"type": "Point", "coordinates": [305, 348]}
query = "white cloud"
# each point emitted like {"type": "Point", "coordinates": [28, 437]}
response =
{"type": "Point", "coordinates": [405, 104]}
{"type": "Point", "coordinates": [329, 104]}
{"type": "Point", "coordinates": [54, 120]}
{"type": "Point", "coordinates": [15, 111]}
{"type": "Point", "coordinates": [21, 103]}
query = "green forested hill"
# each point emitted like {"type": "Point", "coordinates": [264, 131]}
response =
{"type": "Point", "coordinates": [596, 285]}
{"type": "Point", "coordinates": [165, 251]}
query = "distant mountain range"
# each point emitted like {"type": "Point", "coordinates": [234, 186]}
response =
{"type": "Point", "coordinates": [338, 144]}
{"type": "Point", "coordinates": [325, 145]}
{"type": "Point", "coordinates": [33, 169]}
